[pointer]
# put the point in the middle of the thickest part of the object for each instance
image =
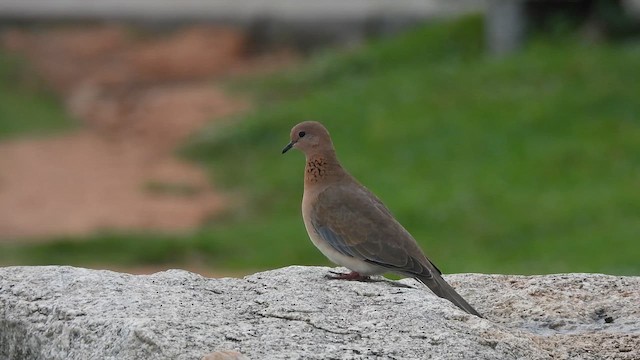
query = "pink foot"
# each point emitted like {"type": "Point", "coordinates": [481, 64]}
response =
{"type": "Point", "coordinates": [352, 276]}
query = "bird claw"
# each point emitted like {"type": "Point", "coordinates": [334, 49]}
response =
{"type": "Point", "coordinates": [352, 276]}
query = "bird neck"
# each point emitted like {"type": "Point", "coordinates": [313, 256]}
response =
{"type": "Point", "coordinates": [322, 167]}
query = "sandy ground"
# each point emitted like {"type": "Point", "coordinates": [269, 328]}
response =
{"type": "Point", "coordinates": [137, 97]}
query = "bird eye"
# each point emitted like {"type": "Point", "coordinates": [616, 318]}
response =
{"type": "Point", "coordinates": [302, 134]}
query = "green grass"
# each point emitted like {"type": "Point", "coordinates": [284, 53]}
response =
{"type": "Point", "coordinates": [26, 107]}
{"type": "Point", "coordinates": [528, 164]}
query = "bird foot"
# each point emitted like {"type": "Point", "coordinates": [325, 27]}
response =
{"type": "Point", "coordinates": [352, 276]}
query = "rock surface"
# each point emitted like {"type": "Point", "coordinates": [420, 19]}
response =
{"type": "Point", "coordinates": [60, 312]}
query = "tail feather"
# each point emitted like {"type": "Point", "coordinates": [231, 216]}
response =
{"type": "Point", "coordinates": [441, 288]}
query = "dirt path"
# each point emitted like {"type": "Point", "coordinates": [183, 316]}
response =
{"type": "Point", "coordinates": [137, 97]}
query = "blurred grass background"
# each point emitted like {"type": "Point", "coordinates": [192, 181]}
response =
{"type": "Point", "coordinates": [528, 164]}
{"type": "Point", "coordinates": [26, 107]}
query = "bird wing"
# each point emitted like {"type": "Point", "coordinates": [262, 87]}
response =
{"type": "Point", "coordinates": [356, 223]}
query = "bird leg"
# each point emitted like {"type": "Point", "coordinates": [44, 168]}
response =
{"type": "Point", "coordinates": [352, 276]}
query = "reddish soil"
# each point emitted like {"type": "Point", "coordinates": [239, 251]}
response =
{"type": "Point", "coordinates": [137, 96]}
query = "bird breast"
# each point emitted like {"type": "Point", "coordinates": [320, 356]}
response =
{"type": "Point", "coordinates": [316, 169]}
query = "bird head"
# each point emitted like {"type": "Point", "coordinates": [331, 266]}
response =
{"type": "Point", "coordinates": [309, 137]}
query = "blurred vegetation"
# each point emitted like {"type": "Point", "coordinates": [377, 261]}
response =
{"type": "Point", "coordinates": [528, 164]}
{"type": "Point", "coordinates": [25, 105]}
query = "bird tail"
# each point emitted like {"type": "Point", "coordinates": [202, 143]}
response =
{"type": "Point", "coordinates": [441, 288]}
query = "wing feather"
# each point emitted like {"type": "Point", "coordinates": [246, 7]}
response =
{"type": "Point", "coordinates": [356, 223]}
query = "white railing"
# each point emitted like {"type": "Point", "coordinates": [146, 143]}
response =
{"type": "Point", "coordinates": [237, 10]}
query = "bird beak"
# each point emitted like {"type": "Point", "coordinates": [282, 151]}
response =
{"type": "Point", "coordinates": [289, 146]}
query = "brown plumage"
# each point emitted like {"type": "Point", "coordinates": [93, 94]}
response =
{"type": "Point", "coordinates": [351, 226]}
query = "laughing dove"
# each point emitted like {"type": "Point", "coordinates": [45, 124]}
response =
{"type": "Point", "coordinates": [351, 226]}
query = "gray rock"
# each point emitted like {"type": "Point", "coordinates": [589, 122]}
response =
{"type": "Point", "coordinates": [57, 312]}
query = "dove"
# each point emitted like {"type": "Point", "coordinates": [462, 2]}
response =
{"type": "Point", "coordinates": [351, 226]}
